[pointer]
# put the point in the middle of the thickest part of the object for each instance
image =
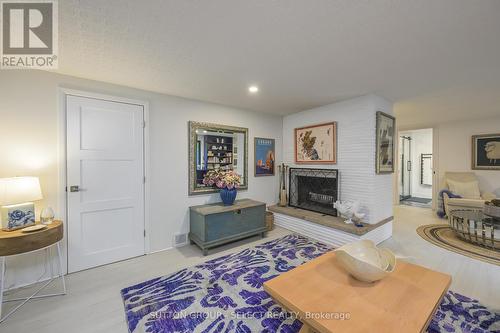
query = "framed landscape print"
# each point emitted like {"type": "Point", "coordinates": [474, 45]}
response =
{"type": "Point", "coordinates": [316, 144]}
{"type": "Point", "coordinates": [486, 152]}
{"type": "Point", "coordinates": [386, 127]}
{"type": "Point", "coordinates": [264, 157]}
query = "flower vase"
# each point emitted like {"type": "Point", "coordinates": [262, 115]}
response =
{"type": "Point", "coordinates": [228, 196]}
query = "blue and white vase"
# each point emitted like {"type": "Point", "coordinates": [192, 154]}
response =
{"type": "Point", "coordinates": [228, 196]}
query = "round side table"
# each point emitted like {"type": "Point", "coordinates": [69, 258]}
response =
{"type": "Point", "coordinates": [13, 243]}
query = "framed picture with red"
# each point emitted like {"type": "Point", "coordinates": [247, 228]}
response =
{"type": "Point", "coordinates": [316, 144]}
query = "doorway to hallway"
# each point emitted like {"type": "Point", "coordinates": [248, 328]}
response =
{"type": "Point", "coordinates": [415, 171]}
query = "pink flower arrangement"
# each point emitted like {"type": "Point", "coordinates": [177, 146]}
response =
{"type": "Point", "coordinates": [222, 179]}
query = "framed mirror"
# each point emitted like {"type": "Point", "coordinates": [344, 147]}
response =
{"type": "Point", "coordinates": [214, 146]}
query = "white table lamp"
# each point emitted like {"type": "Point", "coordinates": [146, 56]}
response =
{"type": "Point", "coordinates": [16, 201]}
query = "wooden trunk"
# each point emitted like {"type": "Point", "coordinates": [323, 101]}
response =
{"type": "Point", "coordinates": [215, 224]}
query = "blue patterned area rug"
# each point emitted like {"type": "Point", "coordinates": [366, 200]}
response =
{"type": "Point", "coordinates": [226, 295]}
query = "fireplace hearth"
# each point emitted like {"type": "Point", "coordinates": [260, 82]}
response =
{"type": "Point", "coordinates": [314, 189]}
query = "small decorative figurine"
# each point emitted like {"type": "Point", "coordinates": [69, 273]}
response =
{"type": "Point", "coordinates": [349, 210]}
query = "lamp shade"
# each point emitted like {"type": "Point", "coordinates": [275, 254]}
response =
{"type": "Point", "coordinates": [19, 190]}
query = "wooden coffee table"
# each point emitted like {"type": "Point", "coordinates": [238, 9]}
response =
{"type": "Point", "coordinates": [327, 299]}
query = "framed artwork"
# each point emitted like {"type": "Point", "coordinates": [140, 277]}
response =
{"type": "Point", "coordinates": [316, 144]}
{"type": "Point", "coordinates": [486, 152]}
{"type": "Point", "coordinates": [264, 157]}
{"type": "Point", "coordinates": [385, 132]}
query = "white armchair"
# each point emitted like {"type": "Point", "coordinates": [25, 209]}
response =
{"type": "Point", "coordinates": [477, 202]}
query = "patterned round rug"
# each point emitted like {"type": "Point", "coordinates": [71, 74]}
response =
{"type": "Point", "coordinates": [443, 236]}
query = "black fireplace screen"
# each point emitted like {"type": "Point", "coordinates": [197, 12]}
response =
{"type": "Point", "coordinates": [314, 189]}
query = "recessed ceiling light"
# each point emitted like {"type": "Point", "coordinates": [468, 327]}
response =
{"type": "Point", "coordinates": [253, 89]}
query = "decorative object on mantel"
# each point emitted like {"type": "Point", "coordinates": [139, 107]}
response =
{"type": "Point", "coordinates": [227, 181]}
{"type": "Point", "coordinates": [365, 261]}
{"type": "Point", "coordinates": [486, 152]}
{"type": "Point", "coordinates": [350, 211]}
{"type": "Point", "coordinates": [283, 191]}
{"type": "Point", "coordinates": [264, 157]}
{"type": "Point", "coordinates": [385, 132]}
{"type": "Point", "coordinates": [357, 219]}
{"type": "Point", "coordinates": [16, 201]}
{"type": "Point", "coordinates": [316, 144]}
{"type": "Point", "coordinates": [19, 242]}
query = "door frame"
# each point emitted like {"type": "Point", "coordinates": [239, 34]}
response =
{"type": "Point", "coordinates": [404, 166]}
{"type": "Point", "coordinates": [436, 179]}
{"type": "Point", "coordinates": [62, 93]}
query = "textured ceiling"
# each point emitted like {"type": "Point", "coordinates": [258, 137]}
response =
{"type": "Point", "coordinates": [435, 59]}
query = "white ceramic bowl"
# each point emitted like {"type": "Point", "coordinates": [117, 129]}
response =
{"type": "Point", "coordinates": [365, 261]}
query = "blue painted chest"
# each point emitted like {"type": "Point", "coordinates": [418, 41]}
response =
{"type": "Point", "coordinates": [215, 224]}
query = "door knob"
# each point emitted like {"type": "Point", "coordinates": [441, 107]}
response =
{"type": "Point", "coordinates": [74, 188]}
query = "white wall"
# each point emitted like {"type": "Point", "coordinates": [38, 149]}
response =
{"type": "Point", "coordinates": [356, 151]}
{"type": "Point", "coordinates": [421, 143]}
{"type": "Point", "coordinates": [29, 129]}
{"type": "Point", "coordinates": [455, 150]}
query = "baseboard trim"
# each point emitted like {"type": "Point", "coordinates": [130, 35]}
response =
{"type": "Point", "coordinates": [162, 250]}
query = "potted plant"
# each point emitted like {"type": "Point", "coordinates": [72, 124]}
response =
{"type": "Point", "coordinates": [227, 181]}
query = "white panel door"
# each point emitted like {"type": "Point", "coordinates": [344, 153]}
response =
{"type": "Point", "coordinates": [105, 181]}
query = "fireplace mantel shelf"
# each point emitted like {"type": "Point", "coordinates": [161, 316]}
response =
{"type": "Point", "coordinates": [326, 220]}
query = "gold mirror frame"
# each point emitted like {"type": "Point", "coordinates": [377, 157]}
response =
{"type": "Point", "coordinates": [193, 126]}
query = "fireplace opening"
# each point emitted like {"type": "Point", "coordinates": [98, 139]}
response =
{"type": "Point", "coordinates": [314, 189]}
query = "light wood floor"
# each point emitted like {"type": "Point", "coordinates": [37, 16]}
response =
{"type": "Point", "coordinates": [94, 304]}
